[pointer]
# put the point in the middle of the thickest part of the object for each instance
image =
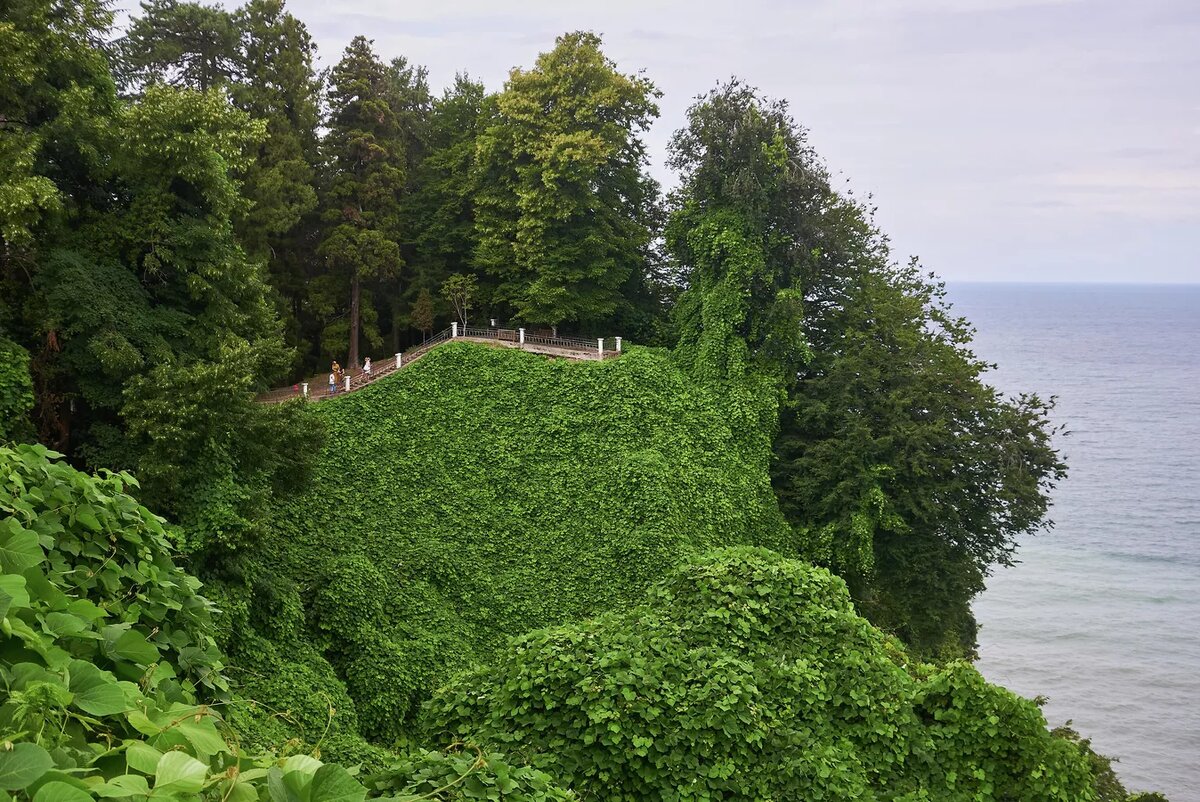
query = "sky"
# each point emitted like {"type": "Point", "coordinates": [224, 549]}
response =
{"type": "Point", "coordinates": [1015, 140]}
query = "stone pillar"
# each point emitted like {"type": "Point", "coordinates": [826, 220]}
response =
{"type": "Point", "coordinates": [454, 329]}
{"type": "Point", "coordinates": [399, 360]}
{"type": "Point", "coordinates": [347, 384]}
{"type": "Point", "coordinates": [304, 388]}
{"type": "Point", "coordinates": [521, 336]}
{"type": "Point", "coordinates": [618, 345]}
{"type": "Point", "coordinates": [600, 346]}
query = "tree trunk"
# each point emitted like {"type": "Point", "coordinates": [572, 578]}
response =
{"type": "Point", "coordinates": [355, 294]}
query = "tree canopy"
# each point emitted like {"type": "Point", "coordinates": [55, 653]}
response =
{"type": "Point", "coordinates": [896, 464]}
{"type": "Point", "coordinates": [564, 206]}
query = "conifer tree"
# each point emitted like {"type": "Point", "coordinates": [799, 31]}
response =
{"type": "Point", "coordinates": [276, 82]}
{"type": "Point", "coordinates": [183, 44]}
{"type": "Point", "coordinates": [442, 205]}
{"type": "Point", "coordinates": [366, 163]}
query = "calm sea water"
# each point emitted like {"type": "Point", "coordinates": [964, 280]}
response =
{"type": "Point", "coordinates": [1103, 613]}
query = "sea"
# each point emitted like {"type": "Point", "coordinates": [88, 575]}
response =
{"type": "Point", "coordinates": [1102, 614]}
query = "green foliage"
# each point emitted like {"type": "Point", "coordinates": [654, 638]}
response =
{"type": "Point", "coordinates": [460, 290]}
{"type": "Point", "coordinates": [107, 655]}
{"type": "Point", "coordinates": [897, 466]}
{"type": "Point", "coordinates": [464, 773]}
{"type": "Point", "coordinates": [430, 534]}
{"type": "Point", "coordinates": [210, 455]}
{"type": "Point", "coordinates": [56, 84]}
{"type": "Point", "coordinates": [181, 44]}
{"type": "Point", "coordinates": [104, 587]}
{"type": "Point", "coordinates": [16, 390]}
{"type": "Point", "coordinates": [367, 164]}
{"type": "Point", "coordinates": [902, 470]}
{"type": "Point", "coordinates": [564, 208]}
{"type": "Point", "coordinates": [749, 676]}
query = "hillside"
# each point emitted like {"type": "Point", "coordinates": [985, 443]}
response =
{"type": "Point", "coordinates": [479, 494]}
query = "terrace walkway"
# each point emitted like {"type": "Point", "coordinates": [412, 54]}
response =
{"type": "Point", "coordinates": [316, 388]}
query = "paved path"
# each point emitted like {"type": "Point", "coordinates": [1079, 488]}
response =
{"type": "Point", "coordinates": [562, 347]}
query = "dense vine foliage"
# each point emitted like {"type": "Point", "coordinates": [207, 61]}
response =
{"type": "Point", "coordinates": [112, 683]}
{"type": "Point", "coordinates": [474, 495]}
{"type": "Point", "coordinates": [16, 390]}
{"type": "Point", "coordinates": [749, 676]}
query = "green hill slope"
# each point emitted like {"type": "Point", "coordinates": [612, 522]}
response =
{"type": "Point", "coordinates": [474, 496]}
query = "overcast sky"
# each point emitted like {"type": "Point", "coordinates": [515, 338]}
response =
{"type": "Point", "coordinates": [1026, 140]}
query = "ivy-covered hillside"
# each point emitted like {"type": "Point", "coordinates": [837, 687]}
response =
{"type": "Point", "coordinates": [478, 494]}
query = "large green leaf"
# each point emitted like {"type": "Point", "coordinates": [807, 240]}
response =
{"type": "Point", "coordinates": [94, 692]}
{"type": "Point", "coordinates": [133, 646]}
{"type": "Point", "coordinates": [12, 593]}
{"type": "Point", "coordinates": [333, 783]}
{"type": "Point", "coordinates": [178, 773]}
{"type": "Point", "coordinates": [123, 786]}
{"type": "Point", "coordinates": [19, 547]}
{"type": "Point", "coordinates": [58, 791]}
{"type": "Point", "coordinates": [202, 734]}
{"type": "Point", "coordinates": [23, 765]}
{"type": "Point", "coordinates": [142, 757]}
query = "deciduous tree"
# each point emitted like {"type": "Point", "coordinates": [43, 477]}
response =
{"type": "Point", "coordinates": [565, 207]}
{"type": "Point", "coordinates": [896, 464]}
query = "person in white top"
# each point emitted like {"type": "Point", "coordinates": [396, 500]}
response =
{"type": "Point", "coordinates": [367, 368]}
{"type": "Point", "coordinates": [332, 384]}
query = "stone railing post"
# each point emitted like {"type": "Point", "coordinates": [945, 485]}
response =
{"type": "Point", "coordinates": [618, 345]}
{"type": "Point", "coordinates": [521, 336]}
{"type": "Point", "coordinates": [454, 329]}
{"type": "Point", "coordinates": [600, 347]}
{"type": "Point", "coordinates": [304, 387]}
{"type": "Point", "coordinates": [347, 384]}
{"type": "Point", "coordinates": [399, 360]}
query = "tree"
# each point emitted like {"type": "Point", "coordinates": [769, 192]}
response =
{"type": "Point", "coordinates": [902, 468]}
{"type": "Point", "coordinates": [366, 162]}
{"type": "Point", "coordinates": [895, 463]}
{"type": "Point", "coordinates": [183, 44]}
{"type": "Point", "coordinates": [441, 206]}
{"type": "Point", "coordinates": [421, 317]}
{"type": "Point", "coordinates": [564, 208]}
{"type": "Point", "coordinates": [57, 101]}
{"type": "Point", "coordinates": [276, 82]}
{"type": "Point", "coordinates": [409, 97]}
{"type": "Point", "coordinates": [460, 291]}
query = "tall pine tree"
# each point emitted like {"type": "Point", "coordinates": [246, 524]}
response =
{"type": "Point", "coordinates": [365, 157]}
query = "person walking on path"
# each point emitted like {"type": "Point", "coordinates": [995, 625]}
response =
{"type": "Point", "coordinates": [332, 383]}
{"type": "Point", "coordinates": [367, 368]}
